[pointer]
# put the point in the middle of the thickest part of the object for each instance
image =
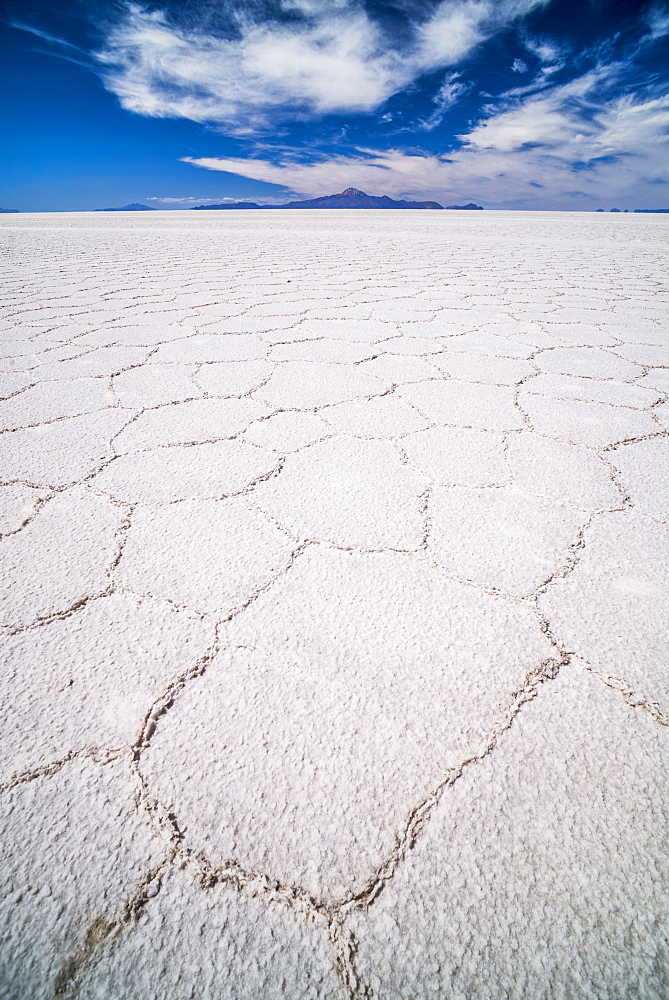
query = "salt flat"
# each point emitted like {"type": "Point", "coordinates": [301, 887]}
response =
{"type": "Point", "coordinates": [334, 594]}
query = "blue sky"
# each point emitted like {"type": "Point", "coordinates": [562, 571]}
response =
{"type": "Point", "coordinates": [527, 104]}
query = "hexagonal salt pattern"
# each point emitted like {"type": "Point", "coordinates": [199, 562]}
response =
{"type": "Point", "coordinates": [73, 850]}
{"type": "Point", "coordinates": [611, 608]}
{"type": "Point", "coordinates": [297, 704]}
{"type": "Point", "coordinates": [541, 872]}
{"type": "Point", "coordinates": [333, 594]}
{"type": "Point", "coordinates": [231, 946]}
{"type": "Point", "coordinates": [102, 670]}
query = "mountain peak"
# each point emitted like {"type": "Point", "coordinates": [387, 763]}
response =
{"type": "Point", "coordinates": [354, 191]}
{"type": "Point", "coordinates": [133, 207]}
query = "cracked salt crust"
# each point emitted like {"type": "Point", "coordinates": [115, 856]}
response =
{"type": "Point", "coordinates": [61, 453]}
{"type": "Point", "coordinates": [498, 537]}
{"type": "Point", "coordinates": [73, 851]}
{"type": "Point", "coordinates": [333, 593]}
{"type": "Point", "coordinates": [101, 670]}
{"type": "Point", "coordinates": [209, 555]}
{"type": "Point", "coordinates": [593, 424]}
{"type": "Point", "coordinates": [181, 472]}
{"type": "Point", "coordinates": [59, 559]}
{"type": "Point", "coordinates": [348, 493]}
{"type": "Point", "coordinates": [468, 404]}
{"type": "Point", "coordinates": [611, 609]}
{"type": "Point", "coordinates": [543, 870]}
{"type": "Point", "coordinates": [252, 950]}
{"type": "Point", "coordinates": [297, 693]}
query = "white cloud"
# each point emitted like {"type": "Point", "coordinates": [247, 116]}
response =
{"type": "Point", "coordinates": [195, 200]}
{"type": "Point", "coordinates": [518, 66]}
{"type": "Point", "coordinates": [448, 95]}
{"type": "Point", "coordinates": [657, 19]}
{"type": "Point", "coordinates": [329, 57]}
{"type": "Point", "coordinates": [579, 146]}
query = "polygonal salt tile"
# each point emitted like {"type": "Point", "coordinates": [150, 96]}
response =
{"type": "Point", "coordinates": [233, 946]}
{"type": "Point", "coordinates": [287, 431]}
{"type": "Point", "coordinates": [232, 378]}
{"type": "Point", "coordinates": [13, 382]}
{"type": "Point", "coordinates": [458, 455]}
{"type": "Point", "coordinates": [276, 307]}
{"type": "Point", "coordinates": [489, 343]}
{"type": "Point", "coordinates": [74, 848]}
{"type": "Point", "coordinates": [50, 401]}
{"type": "Point", "coordinates": [589, 362]}
{"type": "Point", "coordinates": [322, 350]}
{"type": "Point", "coordinates": [194, 421]}
{"type": "Point", "coordinates": [596, 425]}
{"type": "Point", "coordinates": [642, 466]}
{"type": "Point", "coordinates": [212, 347]}
{"type": "Point", "coordinates": [153, 385]}
{"type": "Point", "coordinates": [583, 334]}
{"type": "Point", "coordinates": [367, 331]}
{"type": "Point", "coordinates": [307, 385]}
{"type": "Point", "coordinates": [181, 472]}
{"type": "Point", "coordinates": [340, 640]}
{"type": "Point", "coordinates": [482, 368]}
{"type": "Point", "coordinates": [18, 503]}
{"type": "Point", "coordinates": [210, 555]}
{"type": "Point", "coordinates": [412, 346]}
{"type": "Point", "coordinates": [611, 608]}
{"type": "Point", "coordinates": [635, 329]}
{"type": "Point", "coordinates": [541, 871]}
{"type": "Point", "coordinates": [94, 674]}
{"type": "Point", "coordinates": [498, 537]}
{"type": "Point", "coordinates": [465, 404]}
{"type": "Point", "coordinates": [408, 313]}
{"type": "Point", "coordinates": [380, 417]}
{"type": "Point", "coordinates": [438, 327]}
{"type": "Point", "coordinates": [656, 355]}
{"type": "Point", "coordinates": [398, 369]}
{"type": "Point", "coordinates": [656, 378]}
{"type": "Point", "coordinates": [62, 452]}
{"type": "Point", "coordinates": [632, 394]}
{"type": "Point", "coordinates": [322, 312]}
{"type": "Point", "coordinates": [59, 559]}
{"type": "Point", "coordinates": [103, 362]}
{"type": "Point", "coordinates": [265, 326]}
{"type": "Point", "coordinates": [661, 413]}
{"type": "Point", "coordinates": [135, 336]}
{"type": "Point", "coordinates": [347, 492]}
{"type": "Point", "coordinates": [560, 471]}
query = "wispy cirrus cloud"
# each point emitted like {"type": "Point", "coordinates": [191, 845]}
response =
{"type": "Point", "coordinates": [312, 57]}
{"type": "Point", "coordinates": [580, 141]}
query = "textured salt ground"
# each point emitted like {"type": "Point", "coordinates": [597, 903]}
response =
{"type": "Point", "coordinates": [333, 596]}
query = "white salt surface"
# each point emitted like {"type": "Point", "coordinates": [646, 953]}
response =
{"type": "Point", "coordinates": [334, 588]}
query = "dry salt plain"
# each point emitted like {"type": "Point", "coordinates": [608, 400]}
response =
{"type": "Point", "coordinates": [334, 595]}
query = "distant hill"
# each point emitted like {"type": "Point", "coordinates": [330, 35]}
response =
{"type": "Point", "coordinates": [134, 207]}
{"type": "Point", "coordinates": [232, 204]}
{"type": "Point", "coordinates": [8, 211]}
{"type": "Point", "coordinates": [471, 205]}
{"type": "Point", "coordinates": [350, 198]}
{"type": "Point", "coordinates": [353, 198]}
{"type": "Point", "coordinates": [660, 211]}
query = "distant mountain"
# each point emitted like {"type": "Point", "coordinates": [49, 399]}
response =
{"type": "Point", "coordinates": [350, 198]}
{"type": "Point", "coordinates": [134, 207]}
{"type": "Point", "coordinates": [647, 211]}
{"type": "Point", "coordinates": [8, 211]}
{"type": "Point", "coordinates": [353, 198]}
{"type": "Point", "coordinates": [471, 205]}
{"type": "Point", "coordinates": [232, 204]}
